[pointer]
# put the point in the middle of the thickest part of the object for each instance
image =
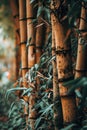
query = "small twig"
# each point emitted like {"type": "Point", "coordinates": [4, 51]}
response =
{"type": "Point", "coordinates": [41, 75]}
{"type": "Point", "coordinates": [45, 22]}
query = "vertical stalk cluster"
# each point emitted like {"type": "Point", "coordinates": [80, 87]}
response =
{"type": "Point", "coordinates": [30, 38]}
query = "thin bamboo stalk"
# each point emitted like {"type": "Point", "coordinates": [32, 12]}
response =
{"type": "Point", "coordinates": [23, 36]}
{"type": "Point", "coordinates": [23, 42]}
{"type": "Point", "coordinates": [47, 31]}
{"type": "Point", "coordinates": [58, 119]}
{"type": "Point", "coordinates": [39, 39]}
{"type": "Point", "coordinates": [81, 63]}
{"type": "Point", "coordinates": [31, 34]}
{"type": "Point", "coordinates": [31, 56]}
{"type": "Point", "coordinates": [64, 67]}
{"type": "Point", "coordinates": [17, 55]}
{"type": "Point", "coordinates": [39, 43]}
{"type": "Point", "coordinates": [15, 13]}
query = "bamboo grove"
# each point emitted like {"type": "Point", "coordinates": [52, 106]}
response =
{"type": "Point", "coordinates": [46, 35]}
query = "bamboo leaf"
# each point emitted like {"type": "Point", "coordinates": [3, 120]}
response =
{"type": "Point", "coordinates": [14, 89]}
{"type": "Point", "coordinates": [69, 127]}
{"type": "Point", "coordinates": [76, 83]}
{"type": "Point", "coordinates": [31, 1]}
{"type": "Point", "coordinates": [47, 109]}
{"type": "Point", "coordinates": [79, 95]}
{"type": "Point", "coordinates": [27, 91]}
{"type": "Point", "coordinates": [38, 122]}
{"type": "Point", "coordinates": [40, 9]}
{"type": "Point", "coordinates": [28, 42]}
{"type": "Point", "coordinates": [71, 82]}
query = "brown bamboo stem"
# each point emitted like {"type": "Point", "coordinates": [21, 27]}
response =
{"type": "Point", "coordinates": [31, 56]}
{"type": "Point", "coordinates": [15, 13]}
{"type": "Point", "coordinates": [58, 119]}
{"type": "Point", "coordinates": [81, 63]}
{"type": "Point", "coordinates": [39, 39]}
{"type": "Point", "coordinates": [64, 66]}
{"type": "Point", "coordinates": [23, 42]}
{"type": "Point", "coordinates": [23, 36]}
{"type": "Point", "coordinates": [39, 43]}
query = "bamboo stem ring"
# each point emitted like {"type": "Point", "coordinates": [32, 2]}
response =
{"type": "Point", "coordinates": [65, 79]}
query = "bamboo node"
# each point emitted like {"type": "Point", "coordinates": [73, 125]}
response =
{"type": "Point", "coordinates": [38, 47]}
{"type": "Point", "coordinates": [31, 44]}
{"type": "Point", "coordinates": [84, 70]}
{"type": "Point", "coordinates": [24, 42]}
{"type": "Point", "coordinates": [30, 18]}
{"type": "Point", "coordinates": [24, 68]}
{"type": "Point", "coordinates": [65, 79]}
{"type": "Point", "coordinates": [63, 51]}
{"type": "Point", "coordinates": [22, 19]}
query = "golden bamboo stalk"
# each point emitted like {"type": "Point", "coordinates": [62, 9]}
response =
{"type": "Point", "coordinates": [58, 119]}
{"type": "Point", "coordinates": [31, 56]}
{"type": "Point", "coordinates": [81, 63]}
{"type": "Point", "coordinates": [64, 67]}
{"type": "Point", "coordinates": [23, 36]}
{"type": "Point", "coordinates": [15, 13]}
{"type": "Point", "coordinates": [39, 39]}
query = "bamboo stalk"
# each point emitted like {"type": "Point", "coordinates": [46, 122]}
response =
{"type": "Point", "coordinates": [15, 13]}
{"type": "Point", "coordinates": [39, 39]}
{"type": "Point", "coordinates": [39, 43]}
{"type": "Point", "coordinates": [17, 55]}
{"type": "Point", "coordinates": [47, 31]}
{"type": "Point", "coordinates": [64, 67]}
{"type": "Point", "coordinates": [31, 56]}
{"type": "Point", "coordinates": [56, 96]}
{"type": "Point", "coordinates": [81, 63]}
{"type": "Point", "coordinates": [23, 42]}
{"type": "Point", "coordinates": [23, 36]}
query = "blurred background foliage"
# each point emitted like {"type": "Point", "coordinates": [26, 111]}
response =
{"type": "Point", "coordinates": [6, 20]}
{"type": "Point", "coordinates": [6, 60]}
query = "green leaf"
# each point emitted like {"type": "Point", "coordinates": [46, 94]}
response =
{"type": "Point", "coordinates": [14, 89]}
{"type": "Point", "coordinates": [78, 94]}
{"type": "Point", "coordinates": [31, 1]}
{"type": "Point", "coordinates": [69, 127]}
{"type": "Point", "coordinates": [28, 42]}
{"type": "Point", "coordinates": [27, 91]}
{"type": "Point", "coordinates": [38, 122]}
{"type": "Point", "coordinates": [76, 83]}
{"type": "Point", "coordinates": [47, 109]}
{"type": "Point", "coordinates": [40, 9]}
